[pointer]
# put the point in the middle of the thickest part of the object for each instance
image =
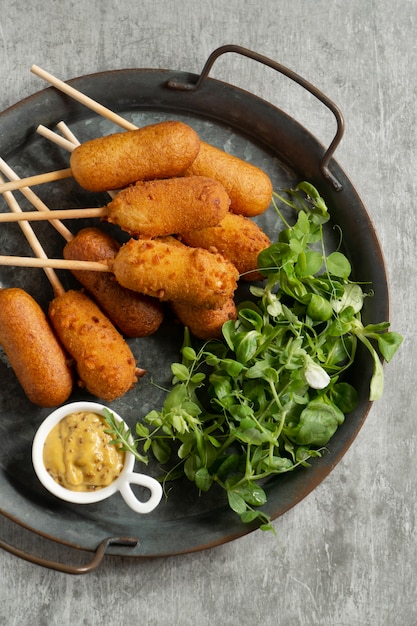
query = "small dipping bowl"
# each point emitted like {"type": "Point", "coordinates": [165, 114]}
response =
{"type": "Point", "coordinates": [122, 483]}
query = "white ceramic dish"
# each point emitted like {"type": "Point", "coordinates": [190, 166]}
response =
{"type": "Point", "coordinates": [122, 483]}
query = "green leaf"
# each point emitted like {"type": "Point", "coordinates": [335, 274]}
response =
{"type": "Point", "coordinates": [377, 380]}
{"type": "Point", "coordinates": [319, 308]}
{"type": "Point", "coordinates": [191, 466]}
{"type": "Point", "coordinates": [228, 466]}
{"type": "Point", "coordinates": [273, 257]}
{"type": "Point", "coordinates": [180, 371]}
{"type": "Point", "coordinates": [202, 478]}
{"type": "Point", "coordinates": [176, 397]}
{"type": "Point", "coordinates": [314, 261]}
{"type": "Point", "coordinates": [179, 423]}
{"type": "Point", "coordinates": [352, 296]}
{"type": "Point", "coordinates": [253, 436]}
{"type": "Point", "coordinates": [247, 346]}
{"type": "Point", "coordinates": [388, 344]}
{"type": "Point", "coordinates": [236, 502]}
{"type": "Point", "coordinates": [189, 353]}
{"type": "Point", "coordinates": [197, 378]}
{"type": "Point", "coordinates": [277, 464]}
{"type": "Point", "coordinates": [229, 333]}
{"type": "Point", "coordinates": [260, 369]}
{"type": "Point", "coordinates": [220, 385]}
{"type": "Point", "coordinates": [161, 450]}
{"type": "Point", "coordinates": [249, 516]}
{"type": "Point", "coordinates": [185, 448]}
{"type": "Point", "coordinates": [141, 430]}
{"type": "Point", "coordinates": [338, 265]}
{"type": "Point", "coordinates": [252, 317]}
{"type": "Point", "coordinates": [303, 222]}
{"type": "Point", "coordinates": [318, 423]}
{"type": "Point", "coordinates": [252, 493]}
{"type": "Point", "coordinates": [232, 367]}
{"type": "Point", "coordinates": [344, 396]}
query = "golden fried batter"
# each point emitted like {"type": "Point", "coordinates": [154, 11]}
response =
{"type": "Point", "coordinates": [238, 238]}
{"type": "Point", "coordinates": [135, 314]}
{"type": "Point", "coordinates": [115, 161]}
{"type": "Point", "coordinates": [169, 270]}
{"type": "Point", "coordinates": [249, 187]}
{"type": "Point", "coordinates": [105, 364]}
{"type": "Point", "coordinates": [166, 207]}
{"type": "Point", "coordinates": [36, 356]}
{"type": "Point", "coordinates": [205, 323]}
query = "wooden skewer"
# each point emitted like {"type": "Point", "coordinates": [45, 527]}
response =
{"type": "Point", "coordinates": [58, 139]}
{"type": "Point", "coordinates": [38, 179]}
{"type": "Point", "coordinates": [35, 200]}
{"type": "Point", "coordinates": [60, 214]}
{"type": "Point", "coordinates": [67, 133]}
{"type": "Point", "coordinates": [34, 243]}
{"type": "Point", "coordinates": [82, 98]}
{"type": "Point", "coordinates": [61, 264]}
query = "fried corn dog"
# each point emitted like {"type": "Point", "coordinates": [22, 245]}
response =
{"type": "Point", "coordinates": [237, 238]}
{"type": "Point", "coordinates": [36, 356]}
{"type": "Point", "coordinates": [105, 364]}
{"type": "Point", "coordinates": [154, 151]}
{"type": "Point", "coordinates": [169, 270]}
{"type": "Point", "coordinates": [134, 314]}
{"type": "Point", "coordinates": [249, 187]}
{"type": "Point", "coordinates": [205, 323]}
{"type": "Point", "coordinates": [166, 207]}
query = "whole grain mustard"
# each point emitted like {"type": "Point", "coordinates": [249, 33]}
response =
{"type": "Point", "coordinates": [78, 453]}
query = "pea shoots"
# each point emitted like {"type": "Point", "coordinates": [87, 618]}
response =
{"type": "Point", "coordinates": [269, 396]}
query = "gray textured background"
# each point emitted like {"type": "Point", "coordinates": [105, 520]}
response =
{"type": "Point", "coordinates": [346, 555]}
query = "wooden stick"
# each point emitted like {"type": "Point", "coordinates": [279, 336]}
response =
{"type": "Point", "coordinates": [82, 98]}
{"type": "Point", "coordinates": [34, 243]}
{"type": "Point", "coordinates": [62, 264]}
{"type": "Point", "coordinates": [36, 201]}
{"type": "Point", "coordinates": [38, 179]}
{"type": "Point", "coordinates": [35, 216]}
{"type": "Point", "coordinates": [58, 139]}
{"type": "Point", "coordinates": [67, 133]}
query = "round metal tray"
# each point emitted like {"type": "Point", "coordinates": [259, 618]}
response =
{"type": "Point", "coordinates": [249, 127]}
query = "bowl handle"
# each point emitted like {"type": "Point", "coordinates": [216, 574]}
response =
{"type": "Point", "coordinates": [140, 506]}
{"type": "Point", "coordinates": [324, 163]}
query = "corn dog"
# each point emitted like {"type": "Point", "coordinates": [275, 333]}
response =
{"type": "Point", "coordinates": [169, 270]}
{"type": "Point", "coordinates": [166, 207]}
{"type": "Point", "coordinates": [249, 187]}
{"type": "Point", "coordinates": [155, 151]}
{"type": "Point", "coordinates": [238, 238]}
{"type": "Point", "coordinates": [36, 356]}
{"type": "Point", "coordinates": [135, 314]}
{"type": "Point", "coordinates": [153, 208]}
{"type": "Point", "coordinates": [105, 364]}
{"type": "Point", "coordinates": [204, 323]}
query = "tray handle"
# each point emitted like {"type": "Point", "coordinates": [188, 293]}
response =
{"type": "Point", "coordinates": [71, 569]}
{"type": "Point", "coordinates": [324, 163]}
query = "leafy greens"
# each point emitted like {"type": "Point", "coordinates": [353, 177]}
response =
{"type": "Point", "coordinates": [271, 395]}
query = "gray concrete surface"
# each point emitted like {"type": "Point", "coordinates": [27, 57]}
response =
{"type": "Point", "coordinates": [346, 555]}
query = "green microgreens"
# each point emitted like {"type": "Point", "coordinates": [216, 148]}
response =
{"type": "Point", "coordinates": [122, 435]}
{"type": "Point", "coordinates": [269, 397]}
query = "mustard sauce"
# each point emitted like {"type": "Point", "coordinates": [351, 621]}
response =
{"type": "Point", "coordinates": [78, 454]}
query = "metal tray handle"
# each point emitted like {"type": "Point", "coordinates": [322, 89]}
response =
{"type": "Point", "coordinates": [324, 163]}
{"type": "Point", "coordinates": [71, 569]}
